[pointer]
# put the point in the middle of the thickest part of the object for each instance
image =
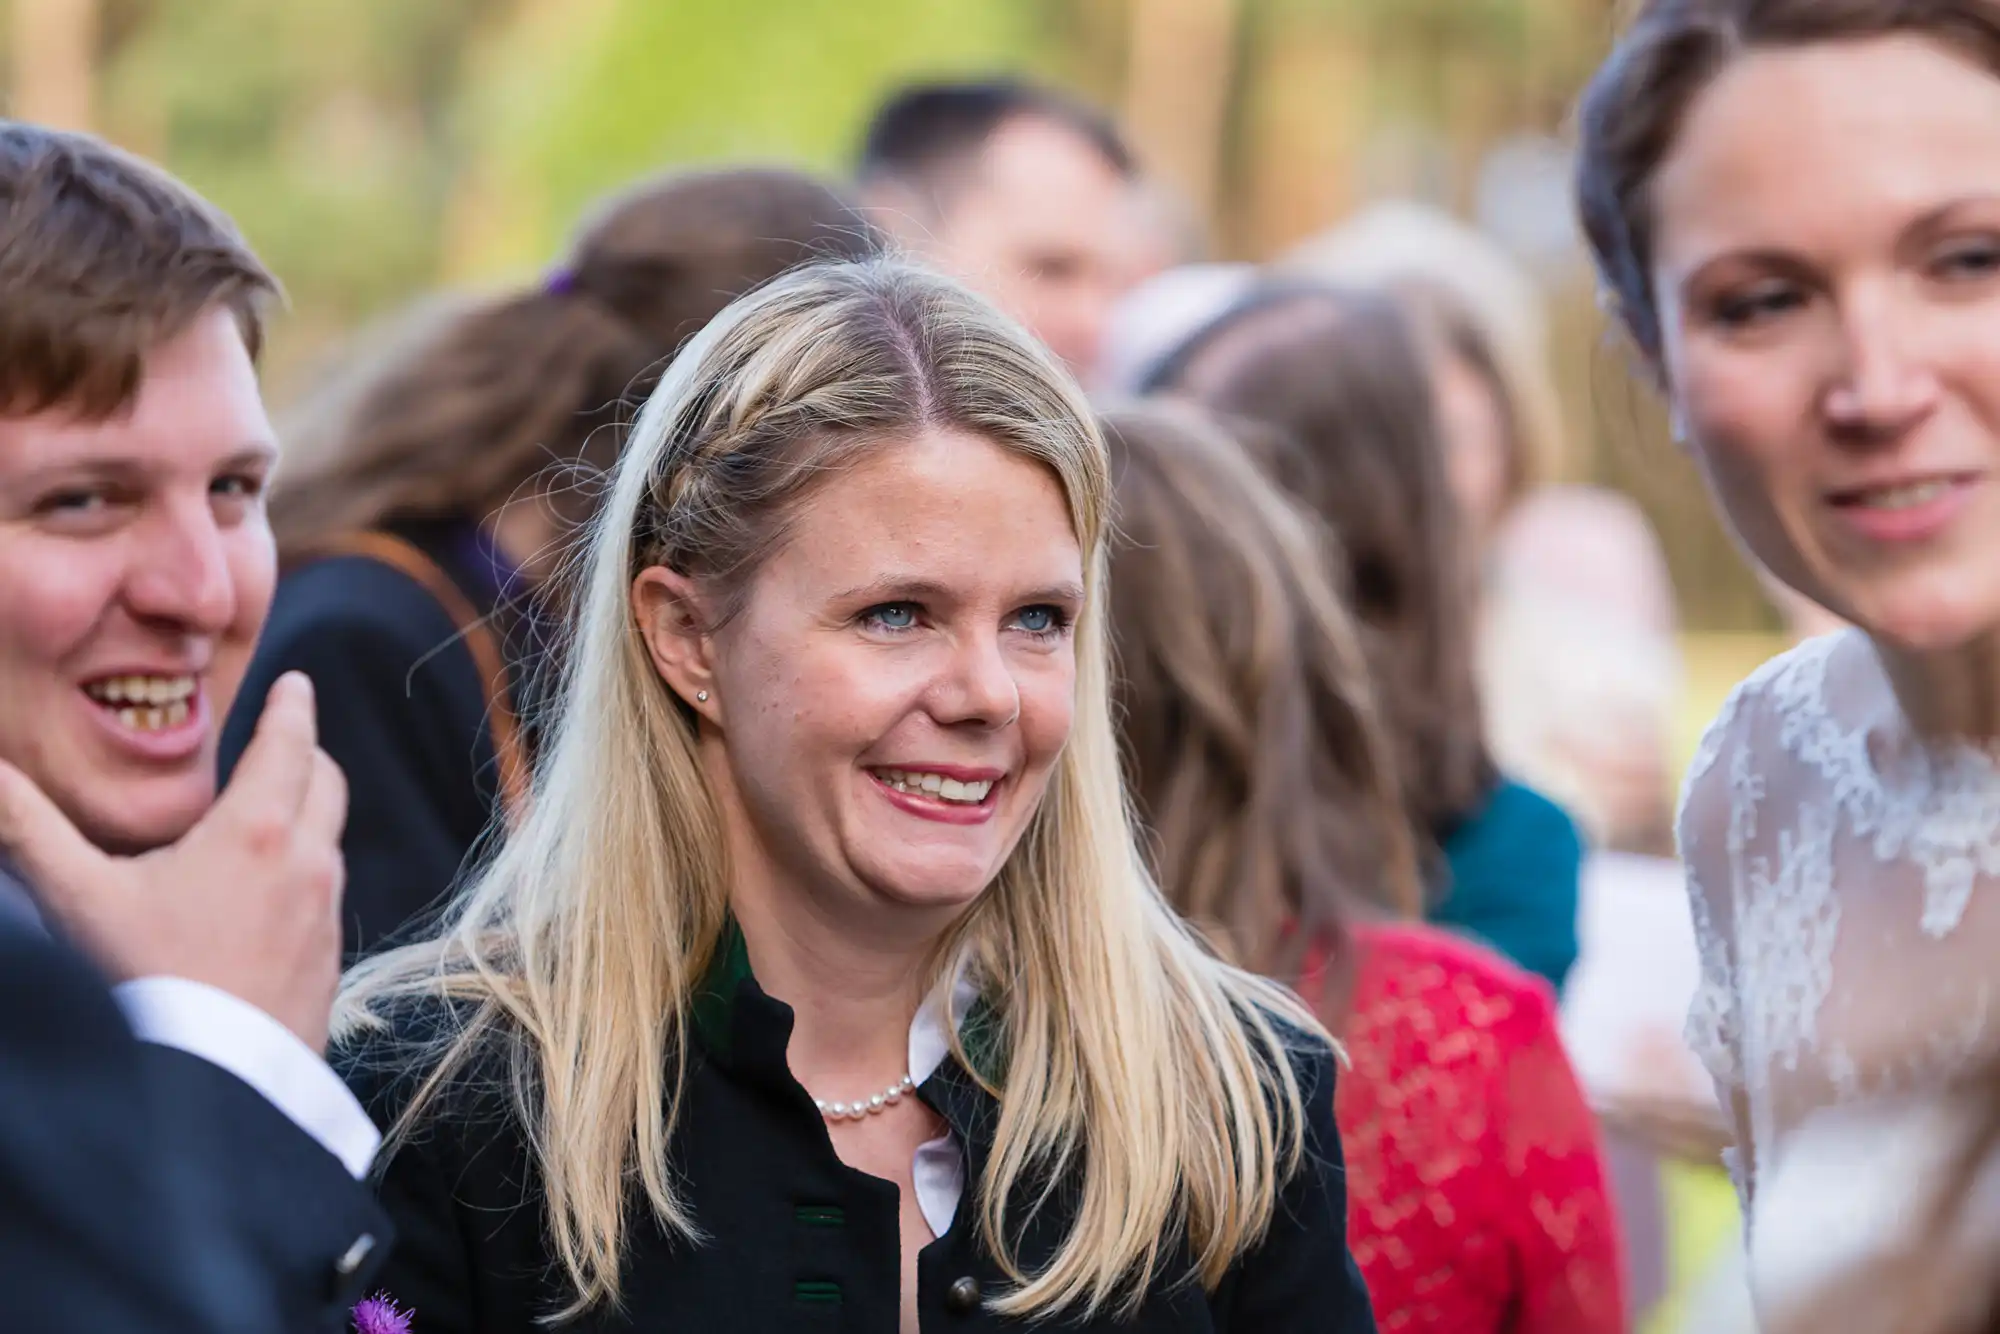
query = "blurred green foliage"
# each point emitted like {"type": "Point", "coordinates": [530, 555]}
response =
{"type": "Point", "coordinates": [323, 126]}
{"type": "Point", "coordinates": [374, 148]}
{"type": "Point", "coordinates": [567, 111]}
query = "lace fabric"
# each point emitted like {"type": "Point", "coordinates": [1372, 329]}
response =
{"type": "Point", "coordinates": [1841, 872]}
{"type": "Point", "coordinates": [1477, 1189]}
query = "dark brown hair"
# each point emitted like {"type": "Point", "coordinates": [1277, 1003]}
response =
{"type": "Point", "coordinates": [103, 258]}
{"type": "Point", "coordinates": [925, 133]}
{"type": "Point", "coordinates": [1452, 331]}
{"type": "Point", "coordinates": [536, 386]}
{"type": "Point", "coordinates": [1341, 382]}
{"type": "Point", "coordinates": [1252, 747]}
{"type": "Point", "coordinates": [1635, 104]}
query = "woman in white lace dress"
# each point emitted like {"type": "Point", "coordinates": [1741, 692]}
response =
{"type": "Point", "coordinates": [1795, 208]}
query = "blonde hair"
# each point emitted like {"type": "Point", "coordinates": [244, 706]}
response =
{"type": "Point", "coordinates": [1137, 1064]}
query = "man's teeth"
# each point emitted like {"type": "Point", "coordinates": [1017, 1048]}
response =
{"type": "Point", "coordinates": [146, 703]}
{"type": "Point", "coordinates": [1902, 497]}
{"type": "Point", "coordinates": [935, 785]}
{"type": "Point", "coordinates": [152, 720]}
{"type": "Point", "coordinates": [142, 689]}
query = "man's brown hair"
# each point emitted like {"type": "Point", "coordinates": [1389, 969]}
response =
{"type": "Point", "coordinates": [103, 257]}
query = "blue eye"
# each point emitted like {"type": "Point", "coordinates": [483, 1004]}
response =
{"type": "Point", "coordinates": [1043, 622]}
{"type": "Point", "coordinates": [892, 616]}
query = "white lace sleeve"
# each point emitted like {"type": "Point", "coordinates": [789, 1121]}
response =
{"type": "Point", "coordinates": [1714, 1024]}
{"type": "Point", "coordinates": [1718, 811]}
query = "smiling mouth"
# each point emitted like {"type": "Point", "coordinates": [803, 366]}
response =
{"type": "Point", "coordinates": [1902, 496]}
{"type": "Point", "coordinates": [920, 783]}
{"type": "Point", "coordinates": [145, 703]}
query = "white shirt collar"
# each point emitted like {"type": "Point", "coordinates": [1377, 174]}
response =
{"type": "Point", "coordinates": [938, 1170]}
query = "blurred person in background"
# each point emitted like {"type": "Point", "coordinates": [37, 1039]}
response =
{"type": "Point", "coordinates": [1160, 314]}
{"type": "Point", "coordinates": [1341, 379]}
{"type": "Point", "coordinates": [1813, 280]}
{"type": "Point", "coordinates": [1485, 326]}
{"type": "Point", "coordinates": [823, 985]}
{"type": "Point", "coordinates": [175, 1156]}
{"type": "Point", "coordinates": [429, 494]}
{"type": "Point", "coordinates": [1580, 692]}
{"type": "Point", "coordinates": [1579, 659]}
{"type": "Point", "coordinates": [1476, 1192]}
{"type": "Point", "coordinates": [1580, 656]}
{"type": "Point", "coordinates": [1026, 195]}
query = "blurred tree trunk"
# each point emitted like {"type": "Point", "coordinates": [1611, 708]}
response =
{"type": "Point", "coordinates": [1303, 121]}
{"type": "Point", "coordinates": [1180, 64]}
{"type": "Point", "coordinates": [54, 79]}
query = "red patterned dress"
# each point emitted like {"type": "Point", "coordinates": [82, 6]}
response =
{"type": "Point", "coordinates": [1477, 1197]}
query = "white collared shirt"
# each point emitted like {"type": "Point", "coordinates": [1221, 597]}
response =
{"type": "Point", "coordinates": [229, 1032]}
{"type": "Point", "coordinates": [939, 1167]}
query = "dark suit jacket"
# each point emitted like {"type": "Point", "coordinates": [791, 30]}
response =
{"type": "Point", "coordinates": [796, 1240]}
{"type": "Point", "coordinates": [146, 1191]}
{"type": "Point", "coordinates": [402, 710]}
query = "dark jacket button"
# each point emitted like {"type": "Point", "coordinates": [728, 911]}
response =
{"type": "Point", "coordinates": [962, 1297]}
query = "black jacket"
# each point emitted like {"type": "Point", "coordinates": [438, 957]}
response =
{"type": "Point", "coordinates": [795, 1239]}
{"type": "Point", "coordinates": [402, 710]}
{"type": "Point", "coordinates": [146, 1191]}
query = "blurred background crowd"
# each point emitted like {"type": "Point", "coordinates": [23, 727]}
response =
{"type": "Point", "coordinates": [388, 157]}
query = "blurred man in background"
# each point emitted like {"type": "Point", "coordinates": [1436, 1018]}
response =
{"type": "Point", "coordinates": [1030, 198]}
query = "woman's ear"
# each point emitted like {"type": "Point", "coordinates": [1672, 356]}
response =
{"type": "Point", "coordinates": [673, 625]}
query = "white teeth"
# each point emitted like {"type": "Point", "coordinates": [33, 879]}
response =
{"type": "Point", "coordinates": [153, 690]}
{"type": "Point", "coordinates": [935, 785]}
{"type": "Point", "coordinates": [1904, 497]}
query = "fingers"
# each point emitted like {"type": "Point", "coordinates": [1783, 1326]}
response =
{"type": "Point", "coordinates": [57, 860]}
{"type": "Point", "coordinates": [276, 771]}
{"type": "Point", "coordinates": [323, 814]}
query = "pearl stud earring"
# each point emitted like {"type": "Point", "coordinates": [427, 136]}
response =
{"type": "Point", "coordinates": [701, 697]}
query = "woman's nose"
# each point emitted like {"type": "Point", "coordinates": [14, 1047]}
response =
{"type": "Point", "coordinates": [1882, 385]}
{"type": "Point", "coordinates": [979, 687]}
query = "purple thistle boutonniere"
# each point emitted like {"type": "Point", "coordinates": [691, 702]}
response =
{"type": "Point", "coordinates": [379, 1315]}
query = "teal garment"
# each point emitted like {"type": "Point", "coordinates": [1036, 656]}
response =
{"type": "Point", "coordinates": [1514, 869]}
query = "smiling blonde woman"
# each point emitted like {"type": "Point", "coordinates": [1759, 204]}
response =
{"type": "Point", "coordinates": [824, 987]}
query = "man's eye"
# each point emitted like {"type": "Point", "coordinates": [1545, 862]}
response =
{"type": "Point", "coordinates": [240, 486]}
{"type": "Point", "coordinates": [73, 502]}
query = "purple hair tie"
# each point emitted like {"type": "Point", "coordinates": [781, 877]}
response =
{"type": "Point", "coordinates": [560, 282]}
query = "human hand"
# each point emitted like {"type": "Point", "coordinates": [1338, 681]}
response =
{"type": "Point", "coordinates": [248, 901]}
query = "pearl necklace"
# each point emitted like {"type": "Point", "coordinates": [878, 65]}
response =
{"type": "Point", "coordinates": [854, 1111]}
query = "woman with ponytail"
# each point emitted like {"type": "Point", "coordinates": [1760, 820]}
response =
{"type": "Point", "coordinates": [429, 492]}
